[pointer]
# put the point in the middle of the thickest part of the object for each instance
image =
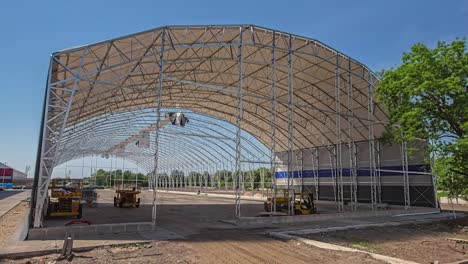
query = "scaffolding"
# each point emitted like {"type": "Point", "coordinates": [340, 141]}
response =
{"type": "Point", "coordinates": [255, 97]}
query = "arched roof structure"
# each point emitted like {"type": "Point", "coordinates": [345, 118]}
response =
{"type": "Point", "coordinates": [249, 91]}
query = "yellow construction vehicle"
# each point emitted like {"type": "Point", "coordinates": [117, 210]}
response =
{"type": "Point", "coordinates": [280, 200]}
{"type": "Point", "coordinates": [127, 197]}
{"type": "Point", "coordinates": [302, 203]}
{"type": "Point", "coordinates": [65, 198]}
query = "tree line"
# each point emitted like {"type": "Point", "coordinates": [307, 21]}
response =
{"type": "Point", "coordinates": [103, 178]}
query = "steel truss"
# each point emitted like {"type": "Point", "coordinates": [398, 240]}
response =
{"type": "Point", "coordinates": [251, 94]}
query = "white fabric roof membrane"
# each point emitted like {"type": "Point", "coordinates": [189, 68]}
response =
{"type": "Point", "coordinates": [115, 90]}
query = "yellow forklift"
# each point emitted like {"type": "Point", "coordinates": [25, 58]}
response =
{"type": "Point", "coordinates": [127, 198]}
{"type": "Point", "coordinates": [65, 198]}
{"type": "Point", "coordinates": [303, 203]}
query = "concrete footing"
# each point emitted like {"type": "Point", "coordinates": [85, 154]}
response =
{"type": "Point", "coordinates": [48, 233]}
{"type": "Point", "coordinates": [266, 221]}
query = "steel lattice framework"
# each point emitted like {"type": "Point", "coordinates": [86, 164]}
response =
{"type": "Point", "coordinates": [250, 92]}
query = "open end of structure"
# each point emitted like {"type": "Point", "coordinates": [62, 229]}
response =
{"type": "Point", "coordinates": [236, 110]}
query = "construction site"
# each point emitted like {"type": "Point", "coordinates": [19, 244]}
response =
{"type": "Point", "coordinates": [252, 143]}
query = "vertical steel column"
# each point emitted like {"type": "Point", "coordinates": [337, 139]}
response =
{"type": "Point", "coordinates": [181, 179]}
{"type": "Point", "coordinates": [299, 168]}
{"type": "Point", "coordinates": [273, 121]}
{"type": "Point", "coordinates": [434, 180]}
{"type": "Point", "coordinates": [339, 169]}
{"type": "Point", "coordinates": [109, 183]}
{"type": "Point", "coordinates": [191, 185]}
{"type": "Point", "coordinates": [370, 117]}
{"type": "Point", "coordinates": [252, 177]}
{"type": "Point", "coordinates": [233, 177]}
{"type": "Point", "coordinates": [302, 171]}
{"type": "Point", "coordinates": [377, 171]}
{"type": "Point", "coordinates": [290, 126]}
{"type": "Point", "coordinates": [243, 179]}
{"type": "Point", "coordinates": [158, 120]}
{"type": "Point", "coordinates": [332, 152]}
{"type": "Point", "coordinates": [58, 103]}
{"type": "Point", "coordinates": [262, 179]}
{"type": "Point", "coordinates": [404, 164]}
{"type": "Point", "coordinates": [136, 175]}
{"type": "Point", "coordinates": [354, 178]}
{"type": "Point", "coordinates": [199, 180]}
{"type": "Point", "coordinates": [225, 177]}
{"type": "Point", "coordinates": [239, 123]}
{"type": "Point", "coordinates": [123, 171]}
{"type": "Point", "coordinates": [218, 176]}
{"type": "Point", "coordinates": [315, 171]}
{"type": "Point", "coordinates": [205, 178]}
{"type": "Point", "coordinates": [186, 179]}
{"type": "Point", "coordinates": [149, 181]}
{"type": "Point", "coordinates": [351, 144]}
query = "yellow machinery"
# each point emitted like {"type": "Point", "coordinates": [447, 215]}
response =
{"type": "Point", "coordinates": [65, 200]}
{"type": "Point", "coordinates": [303, 203]}
{"type": "Point", "coordinates": [127, 197]}
{"type": "Point", "coordinates": [279, 200]}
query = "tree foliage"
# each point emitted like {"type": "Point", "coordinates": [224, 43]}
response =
{"type": "Point", "coordinates": [106, 178]}
{"type": "Point", "coordinates": [225, 178]}
{"type": "Point", "coordinates": [426, 98]}
{"type": "Point", "coordinates": [454, 182]}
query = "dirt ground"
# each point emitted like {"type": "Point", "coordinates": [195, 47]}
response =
{"type": "Point", "coordinates": [422, 243]}
{"type": "Point", "coordinates": [456, 207]}
{"type": "Point", "coordinates": [212, 247]}
{"type": "Point", "coordinates": [10, 220]}
{"type": "Point", "coordinates": [155, 252]}
{"type": "Point", "coordinates": [234, 246]}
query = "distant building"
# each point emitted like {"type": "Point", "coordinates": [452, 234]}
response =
{"type": "Point", "coordinates": [10, 177]}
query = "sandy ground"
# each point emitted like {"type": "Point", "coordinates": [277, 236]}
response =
{"type": "Point", "coordinates": [232, 246]}
{"type": "Point", "coordinates": [10, 221]}
{"type": "Point", "coordinates": [11, 198]}
{"type": "Point", "coordinates": [423, 243]}
{"type": "Point", "coordinates": [212, 247]}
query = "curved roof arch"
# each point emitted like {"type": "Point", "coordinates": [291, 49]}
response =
{"type": "Point", "coordinates": [111, 88]}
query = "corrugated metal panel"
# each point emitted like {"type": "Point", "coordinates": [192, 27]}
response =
{"type": "Point", "coordinates": [6, 172]}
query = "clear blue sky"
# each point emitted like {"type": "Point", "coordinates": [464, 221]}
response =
{"type": "Point", "coordinates": [373, 32]}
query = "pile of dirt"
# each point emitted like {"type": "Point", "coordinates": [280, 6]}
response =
{"type": "Point", "coordinates": [445, 241]}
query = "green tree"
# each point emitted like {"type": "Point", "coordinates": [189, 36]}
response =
{"type": "Point", "coordinates": [426, 98]}
{"type": "Point", "coordinates": [454, 182]}
{"type": "Point", "coordinates": [103, 178]}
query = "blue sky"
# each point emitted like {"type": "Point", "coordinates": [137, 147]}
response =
{"type": "Point", "coordinates": [373, 32]}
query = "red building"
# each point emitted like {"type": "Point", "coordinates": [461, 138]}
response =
{"type": "Point", "coordinates": [10, 176]}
